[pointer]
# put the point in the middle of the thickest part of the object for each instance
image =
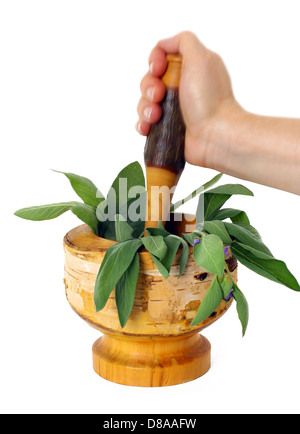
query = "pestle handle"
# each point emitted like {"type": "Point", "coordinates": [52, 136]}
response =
{"type": "Point", "coordinates": [165, 142]}
{"type": "Point", "coordinates": [164, 148]}
{"type": "Point", "coordinates": [171, 77]}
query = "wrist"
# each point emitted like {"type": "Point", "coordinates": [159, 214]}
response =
{"type": "Point", "coordinates": [223, 133]}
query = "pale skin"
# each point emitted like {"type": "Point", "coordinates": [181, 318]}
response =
{"type": "Point", "coordinates": [220, 133]}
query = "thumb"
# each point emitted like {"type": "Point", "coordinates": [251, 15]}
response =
{"type": "Point", "coordinates": [185, 43]}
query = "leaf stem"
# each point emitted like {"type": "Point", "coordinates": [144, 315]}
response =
{"type": "Point", "coordinates": [229, 274]}
{"type": "Point", "coordinates": [196, 192]}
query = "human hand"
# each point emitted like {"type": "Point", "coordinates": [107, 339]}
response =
{"type": "Point", "coordinates": [205, 94]}
{"type": "Point", "coordinates": [220, 134]}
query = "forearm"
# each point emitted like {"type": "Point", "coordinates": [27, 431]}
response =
{"type": "Point", "coordinates": [260, 149]}
{"type": "Point", "coordinates": [219, 133]}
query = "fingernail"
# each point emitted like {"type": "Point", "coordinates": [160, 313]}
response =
{"type": "Point", "coordinates": [147, 112]}
{"type": "Point", "coordinates": [150, 93]}
{"type": "Point", "coordinates": [138, 126]}
{"type": "Point", "coordinates": [151, 67]}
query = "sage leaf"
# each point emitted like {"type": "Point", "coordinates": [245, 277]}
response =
{"type": "Point", "coordinates": [125, 290]}
{"type": "Point", "coordinates": [190, 238]}
{"type": "Point", "coordinates": [86, 214]}
{"type": "Point", "coordinates": [107, 230]}
{"type": "Point", "coordinates": [231, 189]}
{"type": "Point", "coordinates": [250, 229]}
{"type": "Point", "coordinates": [195, 235]}
{"type": "Point", "coordinates": [108, 227]}
{"type": "Point", "coordinates": [134, 176]}
{"type": "Point", "coordinates": [174, 248]}
{"type": "Point", "coordinates": [84, 188]}
{"type": "Point", "coordinates": [226, 286]}
{"type": "Point", "coordinates": [45, 212]}
{"type": "Point", "coordinates": [209, 254]}
{"type": "Point", "coordinates": [217, 227]}
{"type": "Point", "coordinates": [246, 237]}
{"type": "Point", "coordinates": [161, 268]}
{"type": "Point", "coordinates": [160, 225]}
{"type": "Point", "coordinates": [155, 245]}
{"type": "Point", "coordinates": [196, 192]}
{"type": "Point", "coordinates": [241, 307]}
{"type": "Point", "coordinates": [236, 215]}
{"type": "Point", "coordinates": [184, 257]}
{"type": "Point", "coordinates": [164, 265]}
{"type": "Point", "coordinates": [118, 201]}
{"type": "Point", "coordinates": [157, 231]}
{"type": "Point", "coordinates": [241, 217]}
{"type": "Point", "coordinates": [134, 212]}
{"type": "Point", "coordinates": [173, 244]}
{"type": "Point", "coordinates": [160, 230]}
{"type": "Point", "coordinates": [210, 302]}
{"type": "Point", "coordinates": [215, 198]}
{"type": "Point", "coordinates": [212, 203]}
{"type": "Point", "coordinates": [122, 229]}
{"type": "Point", "coordinates": [264, 265]}
{"type": "Point", "coordinates": [116, 261]}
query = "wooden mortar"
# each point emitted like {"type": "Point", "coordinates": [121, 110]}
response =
{"type": "Point", "coordinates": [164, 149]}
{"type": "Point", "coordinates": [157, 347]}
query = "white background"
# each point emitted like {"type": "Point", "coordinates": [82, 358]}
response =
{"type": "Point", "coordinates": [69, 86]}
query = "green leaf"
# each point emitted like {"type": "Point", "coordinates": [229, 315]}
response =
{"type": "Point", "coordinates": [155, 245]}
{"type": "Point", "coordinates": [196, 192]}
{"type": "Point", "coordinates": [212, 203]}
{"type": "Point", "coordinates": [116, 261]}
{"type": "Point", "coordinates": [157, 231]}
{"type": "Point", "coordinates": [231, 189]}
{"type": "Point", "coordinates": [236, 215]}
{"type": "Point", "coordinates": [45, 212]}
{"type": "Point", "coordinates": [134, 212]}
{"type": "Point", "coordinates": [241, 217]}
{"type": "Point", "coordinates": [107, 230]}
{"type": "Point", "coordinates": [209, 254]}
{"type": "Point", "coordinates": [195, 235]}
{"type": "Point", "coordinates": [189, 238]}
{"type": "Point", "coordinates": [48, 212]}
{"type": "Point", "coordinates": [134, 175]}
{"type": "Point", "coordinates": [84, 188]}
{"type": "Point", "coordinates": [241, 307]}
{"type": "Point", "coordinates": [122, 228]}
{"type": "Point", "coordinates": [160, 230]}
{"type": "Point", "coordinates": [86, 214]}
{"type": "Point", "coordinates": [164, 265]}
{"type": "Point", "coordinates": [265, 265]}
{"type": "Point", "coordinates": [217, 227]}
{"type": "Point", "coordinates": [125, 290]}
{"type": "Point", "coordinates": [246, 237]}
{"type": "Point", "coordinates": [173, 244]}
{"type": "Point", "coordinates": [226, 286]}
{"type": "Point", "coordinates": [250, 229]}
{"type": "Point", "coordinates": [161, 268]}
{"type": "Point", "coordinates": [215, 198]}
{"type": "Point", "coordinates": [184, 256]}
{"type": "Point", "coordinates": [160, 225]}
{"type": "Point", "coordinates": [119, 202]}
{"type": "Point", "coordinates": [173, 247]}
{"type": "Point", "coordinates": [210, 302]}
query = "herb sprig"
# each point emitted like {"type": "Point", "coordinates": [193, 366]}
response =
{"type": "Point", "coordinates": [212, 241]}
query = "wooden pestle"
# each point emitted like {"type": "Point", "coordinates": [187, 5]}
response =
{"type": "Point", "coordinates": [164, 149]}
